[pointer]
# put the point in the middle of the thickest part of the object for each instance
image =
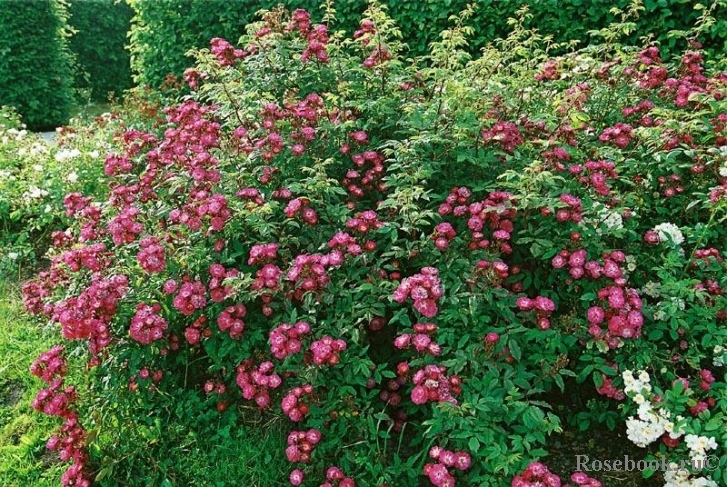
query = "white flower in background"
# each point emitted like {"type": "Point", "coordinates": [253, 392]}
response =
{"type": "Point", "coordinates": [612, 220]}
{"type": "Point", "coordinates": [22, 152]}
{"type": "Point", "coordinates": [48, 209]}
{"type": "Point", "coordinates": [13, 255]}
{"type": "Point", "coordinates": [651, 289]}
{"type": "Point", "coordinates": [719, 356]}
{"type": "Point", "coordinates": [668, 232]}
{"type": "Point", "coordinates": [35, 192]}
{"type": "Point", "coordinates": [677, 476]}
{"type": "Point", "coordinates": [630, 263]}
{"type": "Point", "coordinates": [67, 154]}
{"type": "Point", "coordinates": [38, 149]}
{"type": "Point", "coordinates": [723, 170]}
{"type": "Point", "coordinates": [37, 168]}
{"type": "Point", "coordinates": [698, 445]}
{"type": "Point", "coordinates": [72, 177]}
{"type": "Point", "coordinates": [94, 154]}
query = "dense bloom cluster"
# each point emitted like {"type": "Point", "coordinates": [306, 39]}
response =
{"type": "Point", "coordinates": [441, 472]}
{"type": "Point", "coordinates": [87, 317]}
{"type": "Point", "coordinates": [423, 288]}
{"type": "Point", "coordinates": [444, 233]}
{"type": "Point", "coordinates": [285, 339]}
{"type": "Point", "coordinates": [263, 253]}
{"type": "Point", "coordinates": [336, 478]}
{"type": "Point", "coordinates": [293, 404]}
{"type": "Point", "coordinates": [421, 339]}
{"type": "Point", "coordinates": [301, 444]}
{"type": "Point", "coordinates": [218, 291]}
{"type": "Point", "coordinates": [432, 384]}
{"type": "Point", "coordinates": [301, 206]}
{"type": "Point", "coordinates": [326, 350]}
{"type": "Point", "coordinates": [542, 307]}
{"type": "Point", "coordinates": [309, 271]}
{"type": "Point", "coordinates": [256, 382]}
{"type": "Point", "coordinates": [50, 364]}
{"type": "Point", "coordinates": [92, 257]}
{"type": "Point", "coordinates": [230, 321]}
{"type": "Point", "coordinates": [535, 475]}
{"type": "Point", "coordinates": [147, 325]}
{"type": "Point", "coordinates": [191, 297]}
{"type": "Point", "coordinates": [151, 255]}
{"type": "Point", "coordinates": [619, 135]}
{"type": "Point", "coordinates": [225, 52]}
{"type": "Point", "coordinates": [124, 228]}
{"type": "Point", "coordinates": [506, 134]}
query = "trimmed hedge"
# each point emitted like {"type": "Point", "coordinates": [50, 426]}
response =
{"type": "Point", "coordinates": [164, 30]}
{"type": "Point", "coordinates": [104, 64]}
{"type": "Point", "coordinates": [35, 65]}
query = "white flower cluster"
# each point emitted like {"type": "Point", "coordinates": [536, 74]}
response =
{"type": "Point", "coordinates": [720, 355]}
{"type": "Point", "coordinates": [698, 446]}
{"type": "Point", "coordinates": [668, 232]}
{"type": "Point", "coordinates": [651, 289]}
{"type": "Point", "coordinates": [679, 477]}
{"type": "Point", "coordinates": [651, 424]}
{"type": "Point", "coordinates": [34, 192]}
{"type": "Point", "coordinates": [612, 220]}
{"type": "Point", "coordinates": [67, 154]}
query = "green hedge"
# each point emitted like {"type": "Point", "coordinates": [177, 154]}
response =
{"type": "Point", "coordinates": [103, 63]}
{"type": "Point", "coordinates": [35, 64]}
{"type": "Point", "coordinates": [163, 30]}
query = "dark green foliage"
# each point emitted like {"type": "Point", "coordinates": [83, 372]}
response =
{"type": "Point", "coordinates": [35, 64]}
{"type": "Point", "coordinates": [165, 29]}
{"type": "Point", "coordinates": [104, 65]}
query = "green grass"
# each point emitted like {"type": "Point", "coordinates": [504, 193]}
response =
{"type": "Point", "coordinates": [24, 460]}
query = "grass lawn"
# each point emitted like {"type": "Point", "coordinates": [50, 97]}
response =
{"type": "Point", "coordinates": [24, 460]}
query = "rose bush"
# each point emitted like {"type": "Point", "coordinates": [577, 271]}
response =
{"type": "Point", "coordinates": [408, 261]}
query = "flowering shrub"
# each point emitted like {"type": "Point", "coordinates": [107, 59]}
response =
{"type": "Point", "coordinates": [409, 263]}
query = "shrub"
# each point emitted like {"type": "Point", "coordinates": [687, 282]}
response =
{"type": "Point", "coordinates": [163, 32]}
{"type": "Point", "coordinates": [406, 262]}
{"type": "Point", "coordinates": [35, 66]}
{"type": "Point", "coordinates": [104, 64]}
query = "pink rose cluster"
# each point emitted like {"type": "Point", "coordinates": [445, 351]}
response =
{"type": "Point", "coordinates": [444, 233]}
{"type": "Point", "coordinates": [441, 473]}
{"type": "Point", "coordinates": [301, 444]}
{"type": "Point", "coordinates": [56, 400]}
{"type": "Point", "coordinates": [301, 206]}
{"type": "Point", "coordinates": [423, 288]}
{"type": "Point", "coordinates": [151, 255]}
{"type": "Point", "coordinates": [293, 404]}
{"type": "Point", "coordinates": [542, 307]}
{"type": "Point", "coordinates": [506, 134]}
{"type": "Point", "coordinates": [326, 350]}
{"type": "Point", "coordinates": [432, 384]}
{"type": "Point", "coordinates": [309, 272]}
{"type": "Point", "coordinates": [230, 321]}
{"type": "Point", "coordinates": [421, 339]}
{"type": "Point", "coordinates": [92, 257]}
{"type": "Point", "coordinates": [218, 273]}
{"type": "Point", "coordinates": [336, 478]}
{"type": "Point", "coordinates": [191, 297]}
{"type": "Point", "coordinates": [255, 383]}
{"type": "Point", "coordinates": [369, 167]}
{"type": "Point", "coordinates": [147, 325]}
{"type": "Point", "coordinates": [538, 475]}
{"type": "Point", "coordinates": [285, 339]}
{"type": "Point", "coordinates": [50, 364]}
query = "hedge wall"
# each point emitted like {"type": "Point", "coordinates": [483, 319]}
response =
{"type": "Point", "coordinates": [163, 30]}
{"type": "Point", "coordinates": [35, 64]}
{"type": "Point", "coordinates": [103, 62]}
